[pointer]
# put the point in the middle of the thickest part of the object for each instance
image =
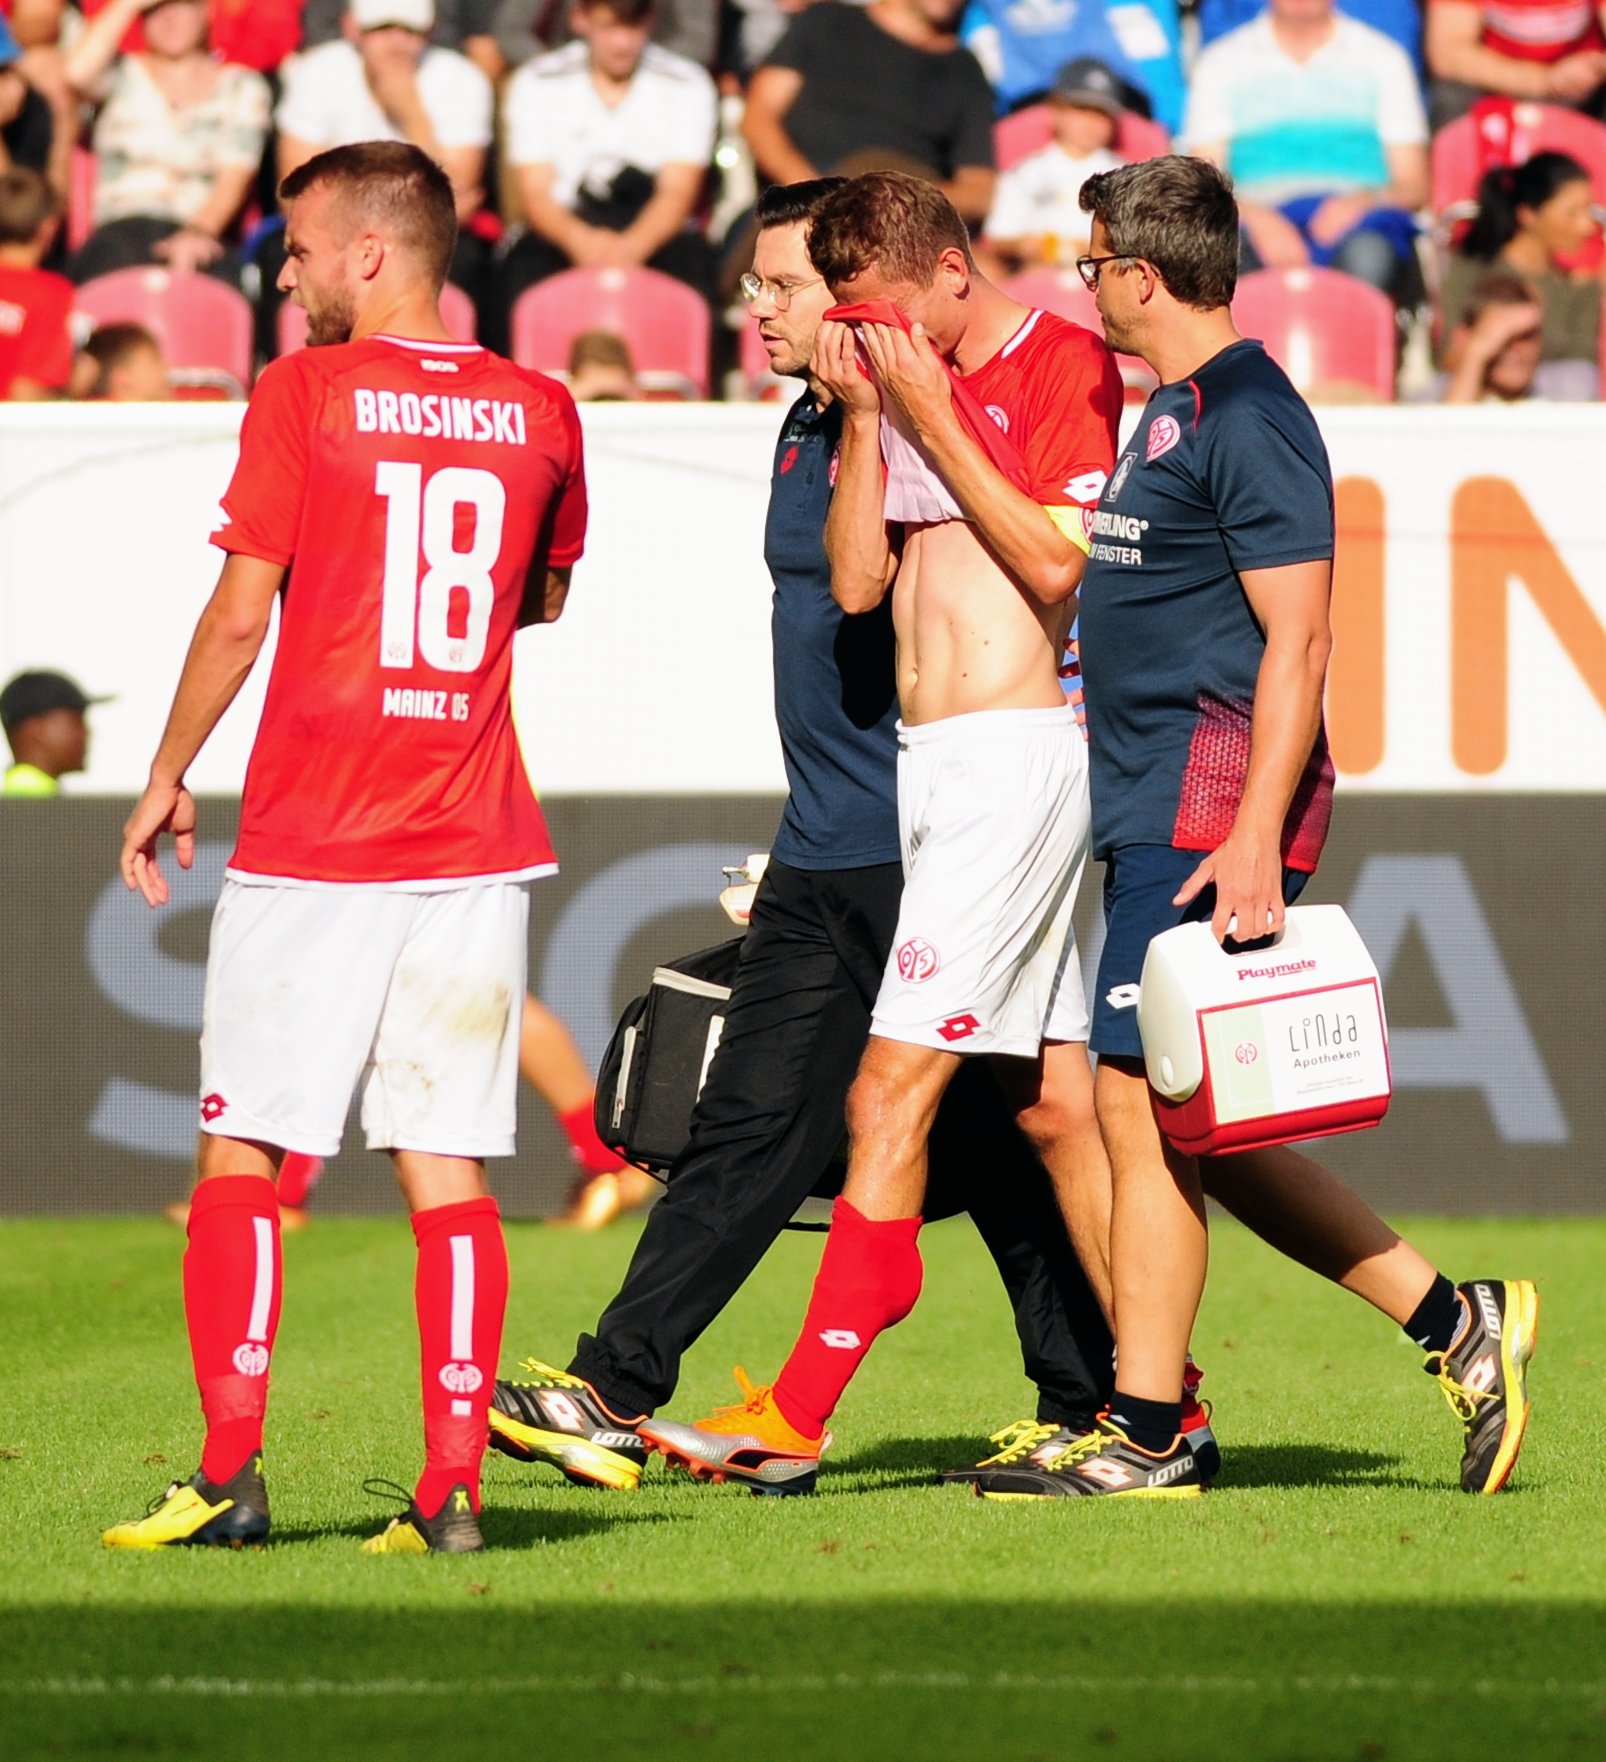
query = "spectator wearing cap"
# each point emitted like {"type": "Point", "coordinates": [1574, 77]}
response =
{"type": "Point", "coordinates": [178, 140]}
{"type": "Point", "coordinates": [1319, 121]}
{"type": "Point", "coordinates": [468, 26]}
{"type": "Point", "coordinates": [1036, 217]}
{"type": "Point", "coordinates": [384, 81]}
{"type": "Point", "coordinates": [610, 140]}
{"type": "Point", "coordinates": [35, 305]}
{"type": "Point", "coordinates": [1542, 49]}
{"type": "Point", "coordinates": [44, 722]}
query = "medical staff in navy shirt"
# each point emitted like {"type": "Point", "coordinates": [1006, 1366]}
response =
{"type": "Point", "coordinates": [1204, 646]}
{"type": "Point", "coordinates": [770, 1118]}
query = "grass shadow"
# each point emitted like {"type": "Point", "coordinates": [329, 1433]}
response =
{"type": "Point", "coordinates": [503, 1526]}
{"type": "Point", "coordinates": [895, 1462]}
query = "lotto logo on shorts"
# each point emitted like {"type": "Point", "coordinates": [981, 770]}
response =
{"type": "Point", "coordinates": [461, 1379]}
{"type": "Point", "coordinates": [213, 1107]}
{"type": "Point", "coordinates": [251, 1359]}
{"type": "Point", "coordinates": [1163, 436]}
{"type": "Point", "coordinates": [959, 1028]}
{"type": "Point", "coordinates": [917, 961]}
{"type": "Point", "coordinates": [843, 1339]}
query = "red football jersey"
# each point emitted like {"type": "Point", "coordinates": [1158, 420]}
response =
{"type": "Point", "coordinates": [1055, 390]}
{"type": "Point", "coordinates": [35, 328]}
{"type": "Point", "coordinates": [412, 489]}
{"type": "Point", "coordinates": [1045, 409]}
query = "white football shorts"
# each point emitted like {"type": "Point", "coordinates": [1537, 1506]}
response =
{"type": "Point", "coordinates": [994, 821]}
{"type": "Point", "coordinates": [416, 997]}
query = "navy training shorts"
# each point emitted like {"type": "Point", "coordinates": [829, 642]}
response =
{"type": "Point", "coordinates": [1140, 881]}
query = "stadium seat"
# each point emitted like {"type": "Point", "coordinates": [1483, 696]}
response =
{"type": "Point", "coordinates": [199, 322]}
{"type": "Point", "coordinates": [1025, 131]}
{"type": "Point", "coordinates": [1321, 326]}
{"type": "Point", "coordinates": [82, 178]}
{"type": "Point", "coordinates": [1064, 293]}
{"type": "Point", "coordinates": [1501, 133]}
{"type": "Point", "coordinates": [457, 310]}
{"type": "Point", "coordinates": [757, 380]}
{"type": "Point", "coordinates": [665, 323]}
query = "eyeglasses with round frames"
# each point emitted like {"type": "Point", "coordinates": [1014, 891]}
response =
{"type": "Point", "coordinates": [780, 292]}
{"type": "Point", "coordinates": [1091, 268]}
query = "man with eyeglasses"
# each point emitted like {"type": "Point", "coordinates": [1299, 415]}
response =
{"type": "Point", "coordinates": [1205, 638]}
{"type": "Point", "coordinates": [976, 436]}
{"type": "Point", "coordinates": [770, 1116]}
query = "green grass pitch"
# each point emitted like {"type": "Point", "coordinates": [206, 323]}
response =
{"type": "Point", "coordinates": [1335, 1597]}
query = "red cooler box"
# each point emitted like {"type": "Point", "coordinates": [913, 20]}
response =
{"type": "Point", "coordinates": [1246, 1050]}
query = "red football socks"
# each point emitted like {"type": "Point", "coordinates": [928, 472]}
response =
{"type": "Point", "coordinates": [869, 1279]}
{"type": "Point", "coordinates": [461, 1292]}
{"type": "Point", "coordinates": [580, 1128]}
{"type": "Point", "coordinates": [233, 1276]}
{"type": "Point", "coordinates": [298, 1175]}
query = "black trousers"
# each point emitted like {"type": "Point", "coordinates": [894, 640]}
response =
{"type": "Point", "coordinates": [766, 1133]}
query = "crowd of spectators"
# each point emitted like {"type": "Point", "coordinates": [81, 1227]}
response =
{"type": "Point", "coordinates": [602, 134]}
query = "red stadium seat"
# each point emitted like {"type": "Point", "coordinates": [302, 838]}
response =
{"type": "Point", "coordinates": [1500, 134]}
{"type": "Point", "coordinates": [199, 322]}
{"type": "Point", "coordinates": [457, 311]}
{"type": "Point", "coordinates": [1321, 327]}
{"type": "Point", "coordinates": [83, 177]}
{"type": "Point", "coordinates": [1064, 293]}
{"type": "Point", "coordinates": [1025, 131]}
{"type": "Point", "coordinates": [665, 323]}
{"type": "Point", "coordinates": [757, 379]}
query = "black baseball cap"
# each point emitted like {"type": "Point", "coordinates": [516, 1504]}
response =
{"type": "Point", "coordinates": [37, 694]}
{"type": "Point", "coordinates": [1090, 83]}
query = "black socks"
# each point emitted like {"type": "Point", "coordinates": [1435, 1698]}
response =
{"type": "Point", "coordinates": [1437, 1319]}
{"type": "Point", "coordinates": [1151, 1425]}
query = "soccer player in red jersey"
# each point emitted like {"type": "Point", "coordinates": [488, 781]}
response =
{"type": "Point", "coordinates": [411, 502]}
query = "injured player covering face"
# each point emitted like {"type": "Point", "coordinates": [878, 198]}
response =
{"type": "Point", "coordinates": [954, 372]}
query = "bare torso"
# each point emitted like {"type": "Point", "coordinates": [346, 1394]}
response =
{"type": "Point", "coordinates": [968, 637]}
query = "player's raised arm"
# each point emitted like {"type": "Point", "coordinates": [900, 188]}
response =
{"type": "Point", "coordinates": [227, 641]}
{"type": "Point", "coordinates": [1032, 546]}
{"type": "Point", "coordinates": [857, 543]}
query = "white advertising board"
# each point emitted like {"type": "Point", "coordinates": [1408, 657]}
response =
{"type": "Point", "coordinates": [1470, 609]}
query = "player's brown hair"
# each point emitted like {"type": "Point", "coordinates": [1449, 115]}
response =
{"type": "Point", "coordinates": [390, 185]}
{"type": "Point", "coordinates": [889, 221]}
{"type": "Point", "coordinates": [26, 203]}
{"type": "Point", "coordinates": [1179, 215]}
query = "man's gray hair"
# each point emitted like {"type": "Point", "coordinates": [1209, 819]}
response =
{"type": "Point", "coordinates": [1177, 214]}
